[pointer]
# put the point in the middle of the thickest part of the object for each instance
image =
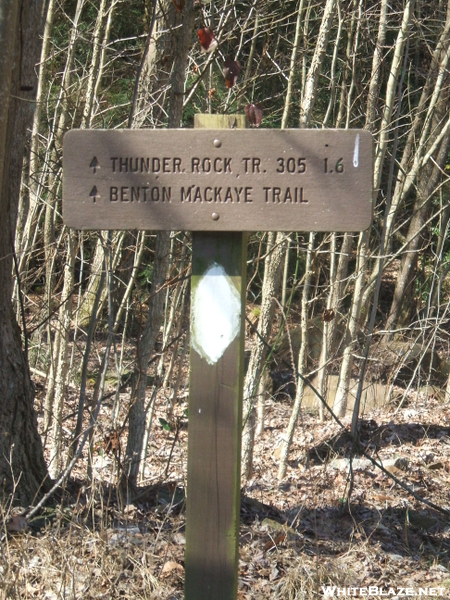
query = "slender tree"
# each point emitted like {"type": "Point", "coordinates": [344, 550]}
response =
{"type": "Point", "coordinates": [138, 410]}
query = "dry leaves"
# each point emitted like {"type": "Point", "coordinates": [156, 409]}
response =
{"type": "Point", "coordinates": [293, 538]}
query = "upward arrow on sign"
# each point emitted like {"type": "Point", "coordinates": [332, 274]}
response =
{"type": "Point", "coordinates": [94, 193]}
{"type": "Point", "coordinates": [94, 164]}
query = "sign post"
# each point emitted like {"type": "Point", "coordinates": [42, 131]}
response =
{"type": "Point", "coordinates": [218, 288]}
{"type": "Point", "coordinates": [219, 181]}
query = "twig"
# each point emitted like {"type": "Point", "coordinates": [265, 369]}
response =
{"type": "Point", "coordinates": [177, 431]}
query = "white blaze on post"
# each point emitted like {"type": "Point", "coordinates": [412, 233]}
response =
{"type": "Point", "coordinates": [216, 314]}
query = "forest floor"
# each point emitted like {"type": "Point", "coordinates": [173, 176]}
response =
{"type": "Point", "coordinates": [294, 539]}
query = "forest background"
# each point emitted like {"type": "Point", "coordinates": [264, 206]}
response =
{"type": "Point", "coordinates": [94, 326]}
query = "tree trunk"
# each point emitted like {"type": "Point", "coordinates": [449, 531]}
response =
{"type": "Point", "coordinates": [153, 74]}
{"type": "Point", "coordinates": [386, 122]}
{"type": "Point", "coordinates": [426, 187]}
{"type": "Point", "coordinates": [65, 317]}
{"type": "Point", "coordinates": [340, 400]}
{"type": "Point", "coordinates": [22, 467]}
{"type": "Point", "coordinates": [312, 79]}
{"type": "Point", "coordinates": [138, 410]}
{"type": "Point", "coordinates": [271, 284]}
{"type": "Point", "coordinates": [162, 254]}
{"type": "Point", "coordinates": [322, 374]}
{"type": "Point", "coordinates": [302, 361]}
{"type": "Point", "coordinates": [27, 220]}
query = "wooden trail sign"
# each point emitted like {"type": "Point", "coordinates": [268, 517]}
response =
{"type": "Point", "coordinates": [218, 181]}
{"type": "Point", "coordinates": [222, 180]}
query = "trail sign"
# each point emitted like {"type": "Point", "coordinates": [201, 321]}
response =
{"type": "Point", "coordinates": [218, 182]}
{"type": "Point", "coordinates": [222, 180]}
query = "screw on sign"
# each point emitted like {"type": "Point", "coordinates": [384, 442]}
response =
{"type": "Point", "coordinates": [218, 184]}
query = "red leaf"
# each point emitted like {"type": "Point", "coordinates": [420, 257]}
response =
{"type": "Point", "coordinates": [254, 114]}
{"type": "Point", "coordinates": [207, 40]}
{"type": "Point", "coordinates": [231, 69]}
{"type": "Point", "coordinates": [179, 4]}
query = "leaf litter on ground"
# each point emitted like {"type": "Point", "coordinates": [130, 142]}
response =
{"type": "Point", "coordinates": [294, 538]}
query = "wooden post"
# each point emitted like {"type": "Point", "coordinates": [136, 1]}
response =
{"type": "Point", "coordinates": [215, 406]}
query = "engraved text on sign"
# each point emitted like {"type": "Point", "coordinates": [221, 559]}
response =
{"type": "Point", "coordinates": [224, 180]}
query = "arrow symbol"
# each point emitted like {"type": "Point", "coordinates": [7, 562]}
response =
{"type": "Point", "coordinates": [93, 193]}
{"type": "Point", "coordinates": [95, 164]}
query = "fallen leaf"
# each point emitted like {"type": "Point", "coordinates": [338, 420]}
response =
{"type": "Point", "coordinates": [274, 573]}
{"type": "Point", "coordinates": [277, 452]}
{"type": "Point", "coordinates": [436, 465]}
{"type": "Point", "coordinates": [395, 465]}
{"type": "Point", "coordinates": [275, 542]}
{"type": "Point", "coordinates": [171, 566]}
{"type": "Point", "coordinates": [17, 524]}
{"type": "Point", "coordinates": [381, 497]}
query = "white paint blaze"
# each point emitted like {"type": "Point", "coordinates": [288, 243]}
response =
{"type": "Point", "coordinates": [216, 314]}
{"type": "Point", "coordinates": [356, 152]}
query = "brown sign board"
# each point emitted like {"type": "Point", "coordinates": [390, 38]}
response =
{"type": "Point", "coordinates": [218, 180]}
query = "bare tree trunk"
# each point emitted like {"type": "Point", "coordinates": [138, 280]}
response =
{"type": "Point", "coordinates": [138, 409]}
{"type": "Point", "coordinates": [29, 206]}
{"type": "Point", "coordinates": [328, 316]}
{"type": "Point", "coordinates": [263, 388]}
{"type": "Point", "coordinates": [426, 187]}
{"type": "Point", "coordinates": [295, 47]}
{"type": "Point", "coordinates": [251, 54]}
{"type": "Point", "coordinates": [338, 272]}
{"type": "Point", "coordinates": [413, 150]}
{"type": "Point", "coordinates": [302, 360]}
{"type": "Point", "coordinates": [162, 256]}
{"type": "Point", "coordinates": [312, 79]}
{"type": "Point", "coordinates": [377, 61]}
{"type": "Point", "coordinates": [354, 53]}
{"type": "Point", "coordinates": [441, 267]}
{"type": "Point", "coordinates": [65, 321]}
{"type": "Point", "coordinates": [341, 397]}
{"type": "Point", "coordinates": [94, 72]}
{"type": "Point", "coordinates": [340, 400]}
{"type": "Point", "coordinates": [153, 76]}
{"type": "Point", "coordinates": [271, 284]}
{"type": "Point", "coordinates": [22, 467]}
{"type": "Point", "coordinates": [334, 61]}
{"type": "Point", "coordinates": [60, 127]}
{"type": "Point", "coordinates": [140, 247]}
{"type": "Point", "coordinates": [391, 90]}
{"type": "Point", "coordinates": [96, 268]}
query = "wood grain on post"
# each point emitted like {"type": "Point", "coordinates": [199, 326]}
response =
{"type": "Point", "coordinates": [215, 406]}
